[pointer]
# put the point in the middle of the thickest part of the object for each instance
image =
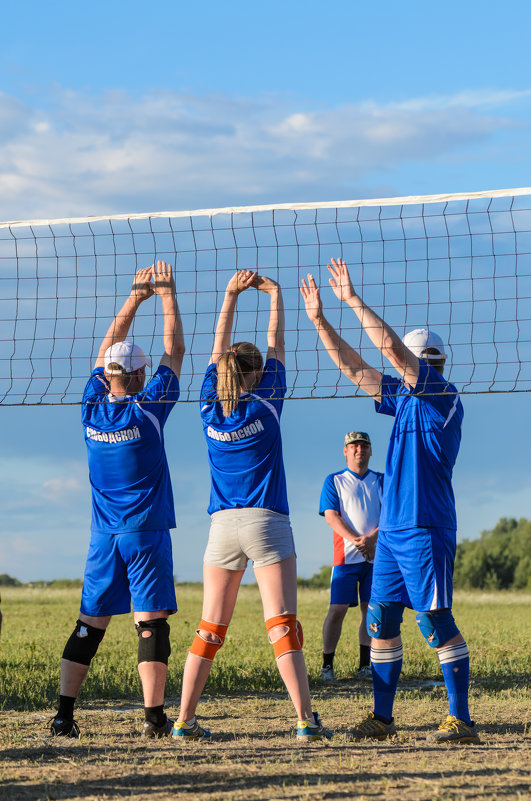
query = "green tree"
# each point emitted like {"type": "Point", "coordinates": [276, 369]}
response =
{"type": "Point", "coordinates": [499, 559]}
{"type": "Point", "coordinates": [8, 581]}
{"type": "Point", "coordinates": [319, 579]}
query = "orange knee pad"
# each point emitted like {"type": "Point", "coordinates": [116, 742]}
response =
{"type": "Point", "coordinates": [292, 638]}
{"type": "Point", "coordinates": [205, 648]}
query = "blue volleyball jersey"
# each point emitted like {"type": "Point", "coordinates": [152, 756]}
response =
{"type": "Point", "coordinates": [422, 451]}
{"type": "Point", "coordinates": [128, 470]}
{"type": "Point", "coordinates": [245, 449]}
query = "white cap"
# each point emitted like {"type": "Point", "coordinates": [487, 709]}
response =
{"type": "Point", "coordinates": [128, 355]}
{"type": "Point", "coordinates": [420, 340]}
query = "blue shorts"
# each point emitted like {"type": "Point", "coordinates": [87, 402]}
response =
{"type": "Point", "coordinates": [135, 566]}
{"type": "Point", "coordinates": [345, 581]}
{"type": "Point", "coordinates": [415, 567]}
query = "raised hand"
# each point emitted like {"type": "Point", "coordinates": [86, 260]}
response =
{"type": "Point", "coordinates": [240, 281]}
{"type": "Point", "coordinates": [163, 277]}
{"type": "Point", "coordinates": [340, 280]}
{"type": "Point", "coordinates": [312, 299]}
{"type": "Point", "coordinates": [265, 284]}
{"type": "Point", "coordinates": [142, 285]}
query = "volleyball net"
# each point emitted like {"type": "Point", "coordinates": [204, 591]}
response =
{"type": "Point", "coordinates": [460, 264]}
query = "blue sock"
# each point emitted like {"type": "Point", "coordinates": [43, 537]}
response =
{"type": "Point", "coordinates": [455, 667]}
{"type": "Point", "coordinates": [386, 664]}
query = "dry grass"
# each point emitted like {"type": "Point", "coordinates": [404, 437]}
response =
{"type": "Point", "coordinates": [255, 756]}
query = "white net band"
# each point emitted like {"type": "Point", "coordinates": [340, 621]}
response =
{"type": "Point", "coordinates": [459, 264]}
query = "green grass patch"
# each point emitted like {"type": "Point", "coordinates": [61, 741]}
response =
{"type": "Point", "coordinates": [38, 621]}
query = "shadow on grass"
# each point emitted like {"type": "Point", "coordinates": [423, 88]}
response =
{"type": "Point", "coordinates": [209, 781]}
{"type": "Point", "coordinates": [344, 686]}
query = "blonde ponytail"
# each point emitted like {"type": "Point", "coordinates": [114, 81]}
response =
{"type": "Point", "coordinates": [240, 359]}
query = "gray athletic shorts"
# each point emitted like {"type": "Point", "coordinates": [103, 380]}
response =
{"type": "Point", "coordinates": [237, 535]}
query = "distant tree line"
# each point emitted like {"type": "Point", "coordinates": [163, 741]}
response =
{"type": "Point", "coordinates": [499, 560]}
{"type": "Point", "coordinates": [58, 584]}
{"type": "Point", "coordinates": [318, 580]}
{"type": "Point", "coordinates": [9, 581]}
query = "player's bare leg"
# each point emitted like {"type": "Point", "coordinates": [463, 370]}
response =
{"type": "Point", "coordinates": [152, 674]}
{"type": "Point", "coordinates": [79, 650]}
{"type": "Point", "coordinates": [364, 670]}
{"type": "Point", "coordinates": [332, 626]}
{"type": "Point", "coordinates": [363, 636]}
{"type": "Point", "coordinates": [73, 673]}
{"type": "Point", "coordinates": [220, 592]}
{"type": "Point", "coordinates": [153, 652]}
{"type": "Point", "coordinates": [278, 589]}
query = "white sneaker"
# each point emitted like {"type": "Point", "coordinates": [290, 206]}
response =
{"type": "Point", "coordinates": [327, 674]}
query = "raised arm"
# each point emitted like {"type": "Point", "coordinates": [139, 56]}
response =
{"type": "Point", "coordinates": [342, 354]}
{"type": "Point", "coordinates": [381, 334]}
{"type": "Point", "coordinates": [240, 281]}
{"type": "Point", "coordinates": [164, 287]}
{"type": "Point", "coordinates": [141, 290]}
{"type": "Point", "coordinates": [276, 348]}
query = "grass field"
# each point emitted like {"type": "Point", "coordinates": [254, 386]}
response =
{"type": "Point", "coordinates": [254, 754]}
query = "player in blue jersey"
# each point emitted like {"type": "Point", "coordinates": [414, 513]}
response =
{"type": "Point", "coordinates": [130, 557]}
{"type": "Point", "coordinates": [417, 535]}
{"type": "Point", "coordinates": [241, 404]}
{"type": "Point", "coordinates": [350, 503]}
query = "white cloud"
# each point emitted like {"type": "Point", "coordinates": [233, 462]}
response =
{"type": "Point", "coordinates": [35, 482]}
{"type": "Point", "coordinates": [60, 489]}
{"type": "Point", "coordinates": [112, 153]}
{"type": "Point", "coordinates": [465, 99]}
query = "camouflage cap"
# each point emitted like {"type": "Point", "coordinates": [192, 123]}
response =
{"type": "Point", "coordinates": [357, 436]}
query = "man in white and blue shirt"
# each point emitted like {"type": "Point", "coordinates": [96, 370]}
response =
{"type": "Point", "coordinates": [130, 555]}
{"type": "Point", "coordinates": [350, 503]}
{"type": "Point", "coordinates": [417, 535]}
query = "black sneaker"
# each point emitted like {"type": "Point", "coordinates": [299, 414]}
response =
{"type": "Point", "coordinates": [151, 730]}
{"type": "Point", "coordinates": [64, 728]}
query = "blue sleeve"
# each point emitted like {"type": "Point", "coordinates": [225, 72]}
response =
{"type": "Point", "coordinates": [161, 393]}
{"type": "Point", "coordinates": [273, 381]}
{"type": "Point", "coordinates": [272, 386]}
{"type": "Point", "coordinates": [389, 389]}
{"type": "Point", "coordinates": [97, 387]}
{"type": "Point", "coordinates": [329, 497]}
{"type": "Point", "coordinates": [210, 384]}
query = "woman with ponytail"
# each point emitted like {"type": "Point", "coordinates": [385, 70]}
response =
{"type": "Point", "coordinates": [241, 404]}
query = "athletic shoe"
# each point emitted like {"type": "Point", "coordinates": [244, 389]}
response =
{"type": "Point", "coordinates": [327, 674]}
{"type": "Point", "coordinates": [372, 729]}
{"type": "Point", "coordinates": [64, 728]}
{"type": "Point", "coordinates": [454, 730]}
{"type": "Point", "coordinates": [194, 732]}
{"type": "Point", "coordinates": [151, 730]}
{"type": "Point", "coordinates": [311, 732]}
{"type": "Point", "coordinates": [364, 673]}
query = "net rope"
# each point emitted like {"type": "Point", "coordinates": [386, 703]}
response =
{"type": "Point", "coordinates": [459, 264]}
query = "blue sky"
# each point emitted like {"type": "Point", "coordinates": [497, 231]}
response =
{"type": "Point", "coordinates": [113, 108]}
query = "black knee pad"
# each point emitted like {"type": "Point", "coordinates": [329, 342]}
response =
{"type": "Point", "coordinates": [83, 643]}
{"type": "Point", "coordinates": [154, 647]}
